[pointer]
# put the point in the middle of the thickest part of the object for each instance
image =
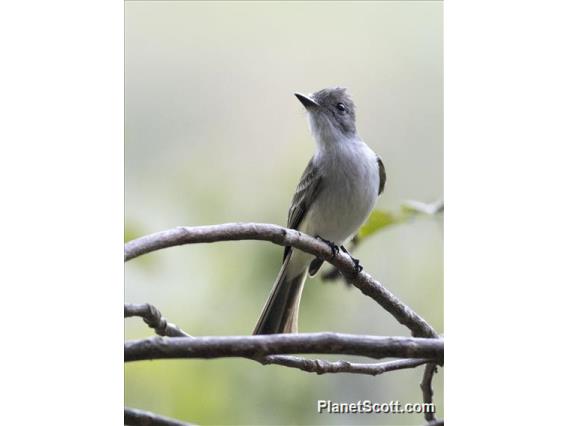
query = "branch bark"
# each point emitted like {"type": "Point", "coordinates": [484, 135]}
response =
{"type": "Point", "coordinates": [284, 237]}
{"type": "Point", "coordinates": [154, 319]}
{"type": "Point", "coordinates": [259, 346]}
{"type": "Point", "coordinates": [427, 391]}
{"type": "Point", "coordinates": [135, 417]}
{"type": "Point", "coordinates": [320, 366]}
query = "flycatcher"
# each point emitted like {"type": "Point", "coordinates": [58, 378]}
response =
{"type": "Point", "coordinates": [336, 194]}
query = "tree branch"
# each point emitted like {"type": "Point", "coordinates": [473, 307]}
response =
{"type": "Point", "coordinates": [271, 344]}
{"type": "Point", "coordinates": [284, 237]}
{"type": "Point", "coordinates": [319, 366]}
{"type": "Point", "coordinates": [154, 319]}
{"type": "Point", "coordinates": [427, 391]}
{"type": "Point", "coordinates": [135, 417]}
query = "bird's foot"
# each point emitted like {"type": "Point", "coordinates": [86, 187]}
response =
{"type": "Point", "coordinates": [356, 263]}
{"type": "Point", "coordinates": [334, 248]}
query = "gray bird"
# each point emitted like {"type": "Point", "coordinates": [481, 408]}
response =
{"type": "Point", "coordinates": [336, 194]}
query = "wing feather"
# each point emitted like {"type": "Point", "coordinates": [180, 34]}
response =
{"type": "Point", "coordinates": [382, 175]}
{"type": "Point", "coordinates": [306, 192]}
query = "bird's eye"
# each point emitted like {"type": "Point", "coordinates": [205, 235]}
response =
{"type": "Point", "coordinates": [340, 107]}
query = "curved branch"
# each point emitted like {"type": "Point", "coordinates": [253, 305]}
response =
{"type": "Point", "coordinates": [284, 237]}
{"type": "Point", "coordinates": [270, 344]}
{"type": "Point", "coordinates": [135, 417]}
{"type": "Point", "coordinates": [320, 366]}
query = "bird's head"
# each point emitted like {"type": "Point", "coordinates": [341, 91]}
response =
{"type": "Point", "coordinates": [331, 114]}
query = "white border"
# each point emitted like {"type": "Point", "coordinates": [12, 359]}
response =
{"type": "Point", "coordinates": [506, 211]}
{"type": "Point", "coordinates": [61, 176]}
{"type": "Point", "coordinates": [61, 171]}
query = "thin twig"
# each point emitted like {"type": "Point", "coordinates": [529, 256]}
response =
{"type": "Point", "coordinates": [154, 319]}
{"type": "Point", "coordinates": [273, 344]}
{"type": "Point", "coordinates": [135, 417]}
{"type": "Point", "coordinates": [284, 237]}
{"type": "Point", "coordinates": [320, 366]}
{"type": "Point", "coordinates": [427, 391]}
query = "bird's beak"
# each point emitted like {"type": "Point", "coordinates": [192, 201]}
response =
{"type": "Point", "coordinates": [306, 101]}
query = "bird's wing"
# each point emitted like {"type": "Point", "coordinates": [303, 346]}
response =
{"type": "Point", "coordinates": [308, 189]}
{"type": "Point", "coordinates": [382, 175]}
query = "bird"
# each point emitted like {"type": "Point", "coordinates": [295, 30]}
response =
{"type": "Point", "coordinates": [335, 196]}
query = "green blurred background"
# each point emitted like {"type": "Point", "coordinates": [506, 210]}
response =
{"type": "Point", "coordinates": [213, 134]}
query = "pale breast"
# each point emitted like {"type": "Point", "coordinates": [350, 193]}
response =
{"type": "Point", "coordinates": [350, 187]}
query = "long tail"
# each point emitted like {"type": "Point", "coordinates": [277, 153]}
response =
{"type": "Point", "coordinates": [280, 312]}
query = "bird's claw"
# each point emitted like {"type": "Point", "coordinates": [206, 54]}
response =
{"type": "Point", "coordinates": [356, 263]}
{"type": "Point", "coordinates": [334, 248]}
